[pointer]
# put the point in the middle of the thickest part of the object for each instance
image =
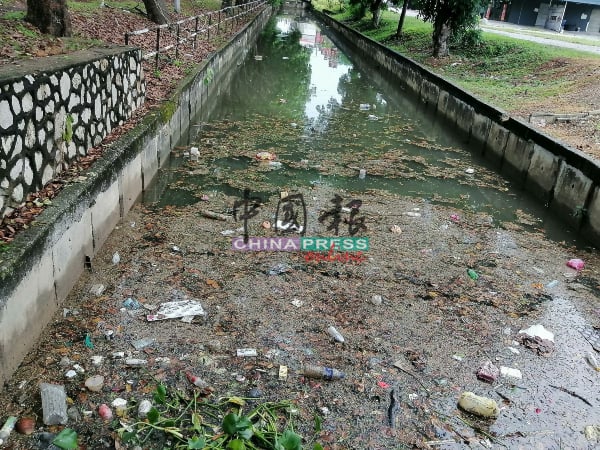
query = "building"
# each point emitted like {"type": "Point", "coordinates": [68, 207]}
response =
{"type": "Point", "coordinates": [581, 15]}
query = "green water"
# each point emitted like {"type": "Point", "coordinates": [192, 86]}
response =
{"type": "Point", "coordinates": [299, 97]}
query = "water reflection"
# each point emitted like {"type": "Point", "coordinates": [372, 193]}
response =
{"type": "Point", "coordinates": [326, 117]}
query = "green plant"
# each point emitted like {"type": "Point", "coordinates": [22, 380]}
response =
{"type": "Point", "coordinates": [193, 422]}
{"type": "Point", "coordinates": [68, 133]}
{"type": "Point", "coordinates": [157, 74]}
{"type": "Point", "coordinates": [26, 31]}
{"type": "Point", "coordinates": [209, 76]}
{"type": "Point", "coordinates": [467, 39]}
{"type": "Point", "coordinates": [14, 15]}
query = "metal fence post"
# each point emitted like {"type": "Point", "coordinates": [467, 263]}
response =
{"type": "Point", "coordinates": [196, 31]}
{"type": "Point", "coordinates": [126, 38]}
{"type": "Point", "coordinates": [157, 47]}
{"type": "Point", "coordinates": [178, 39]}
{"type": "Point", "coordinates": [209, 25]}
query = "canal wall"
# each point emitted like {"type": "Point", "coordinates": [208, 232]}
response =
{"type": "Point", "coordinates": [564, 179]}
{"type": "Point", "coordinates": [41, 266]}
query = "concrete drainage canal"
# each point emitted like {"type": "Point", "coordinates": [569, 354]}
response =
{"type": "Point", "coordinates": [318, 220]}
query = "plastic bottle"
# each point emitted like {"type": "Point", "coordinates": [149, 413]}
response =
{"type": "Point", "coordinates": [7, 428]}
{"type": "Point", "coordinates": [325, 373]}
{"type": "Point", "coordinates": [335, 334]}
{"type": "Point", "coordinates": [592, 361]}
{"type": "Point", "coordinates": [473, 274]}
{"type": "Point", "coordinates": [481, 406]}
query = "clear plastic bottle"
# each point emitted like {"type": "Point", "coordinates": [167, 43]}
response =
{"type": "Point", "coordinates": [324, 373]}
{"type": "Point", "coordinates": [335, 334]}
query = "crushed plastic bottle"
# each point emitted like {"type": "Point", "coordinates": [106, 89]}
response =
{"type": "Point", "coordinates": [552, 284]}
{"type": "Point", "coordinates": [325, 373]}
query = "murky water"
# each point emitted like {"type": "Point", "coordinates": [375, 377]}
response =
{"type": "Point", "coordinates": [299, 97]}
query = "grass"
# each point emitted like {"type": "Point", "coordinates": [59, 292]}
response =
{"type": "Point", "coordinates": [505, 71]}
{"type": "Point", "coordinates": [13, 15]}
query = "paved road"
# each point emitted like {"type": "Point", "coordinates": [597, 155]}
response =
{"type": "Point", "coordinates": [543, 40]}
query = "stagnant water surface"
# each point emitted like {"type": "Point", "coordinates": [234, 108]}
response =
{"type": "Point", "coordinates": [299, 97]}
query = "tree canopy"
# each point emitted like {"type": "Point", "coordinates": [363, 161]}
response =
{"type": "Point", "coordinates": [448, 17]}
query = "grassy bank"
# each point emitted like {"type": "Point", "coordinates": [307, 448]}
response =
{"type": "Point", "coordinates": [508, 72]}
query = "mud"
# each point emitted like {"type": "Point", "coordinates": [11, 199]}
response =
{"type": "Point", "coordinates": [435, 323]}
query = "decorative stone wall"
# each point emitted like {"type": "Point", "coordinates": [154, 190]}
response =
{"type": "Point", "coordinates": [53, 111]}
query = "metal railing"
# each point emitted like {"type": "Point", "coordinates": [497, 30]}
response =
{"type": "Point", "coordinates": [187, 31]}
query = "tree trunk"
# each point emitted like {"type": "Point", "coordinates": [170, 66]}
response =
{"type": "Point", "coordinates": [376, 11]}
{"type": "Point", "coordinates": [441, 35]}
{"type": "Point", "coordinates": [402, 16]}
{"type": "Point", "coordinates": [50, 16]}
{"type": "Point", "coordinates": [157, 11]}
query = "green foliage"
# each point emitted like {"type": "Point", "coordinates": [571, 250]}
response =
{"type": "Point", "coordinates": [448, 17]}
{"type": "Point", "coordinates": [467, 39]}
{"type": "Point", "coordinates": [502, 70]}
{"type": "Point", "coordinates": [235, 425]}
{"type": "Point", "coordinates": [358, 8]}
{"type": "Point", "coordinates": [14, 15]}
{"type": "Point", "coordinates": [160, 394]}
{"type": "Point", "coordinates": [210, 75]}
{"type": "Point", "coordinates": [289, 441]}
{"type": "Point", "coordinates": [212, 5]}
{"type": "Point", "coordinates": [458, 14]}
{"type": "Point", "coordinates": [26, 31]}
{"type": "Point", "coordinates": [197, 423]}
{"type": "Point", "coordinates": [68, 133]}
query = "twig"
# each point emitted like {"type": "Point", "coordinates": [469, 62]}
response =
{"type": "Point", "coordinates": [476, 428]}
{"type": "Point", "coordinates": [415, 377]}
{"type": "Point", "coordinates": [574, 394]}
{"type": "Point", "coordinates": [393, 408]}
{"type": "Point", "coordinates": [482, 431]}
{"type": "Point", "coordinates": [504, 397]}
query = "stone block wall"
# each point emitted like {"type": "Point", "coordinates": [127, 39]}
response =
{"type": "Point", "coordinates": [53, 111]}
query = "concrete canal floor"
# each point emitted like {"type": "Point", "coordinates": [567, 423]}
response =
{"type": "Point", "coordinates": [422, 341]}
